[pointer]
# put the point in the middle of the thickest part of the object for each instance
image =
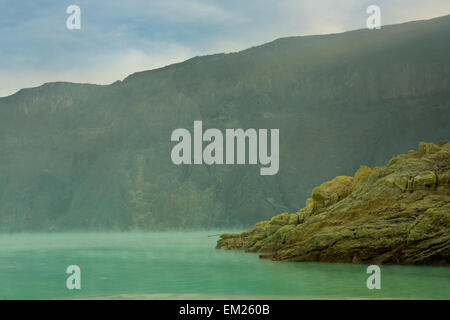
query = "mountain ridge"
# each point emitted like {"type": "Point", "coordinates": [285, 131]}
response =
{"type": "Point", "coordinates": [81, 156]}
{"type": "Point", "coordinates": [286, 38]}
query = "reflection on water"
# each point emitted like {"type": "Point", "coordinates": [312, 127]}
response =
{"type": "Point", "coordinates": [178, 264]}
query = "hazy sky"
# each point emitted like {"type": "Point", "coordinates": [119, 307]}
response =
{"type": "Point", "coordinates": [120, 37]}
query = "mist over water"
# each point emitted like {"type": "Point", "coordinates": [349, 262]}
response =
{"type": "Point", "coordinates": [33, 266]}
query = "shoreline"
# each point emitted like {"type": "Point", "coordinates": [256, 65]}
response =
{"type": "Point", "coordinates": [180, 296]}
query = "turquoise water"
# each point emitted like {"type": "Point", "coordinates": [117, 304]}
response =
{"type": "Point", "coordinates": [32, 266]}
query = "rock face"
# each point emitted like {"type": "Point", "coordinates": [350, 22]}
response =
{"type": "Point", "coordinates": [397, 214]}
{"type": "Point", "coordinates": [86, 157]}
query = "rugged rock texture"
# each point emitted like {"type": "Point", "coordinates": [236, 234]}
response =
{"type": "Point", "coordinates": [399, 213]}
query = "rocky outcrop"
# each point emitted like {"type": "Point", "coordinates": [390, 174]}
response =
{"type": "Point", "coordinates": [397, 214]}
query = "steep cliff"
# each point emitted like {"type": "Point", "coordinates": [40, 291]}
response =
{"type": "Point", "coordinates": [399, 213]}
{"type": "Point", "coordinates": [81, 157]}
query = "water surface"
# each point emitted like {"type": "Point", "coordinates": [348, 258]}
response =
{"type": "Point", "coordinates": [185, 264]}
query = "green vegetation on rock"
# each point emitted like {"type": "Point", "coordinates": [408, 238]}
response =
{"type": "Point", "coordinates": [394, 214]}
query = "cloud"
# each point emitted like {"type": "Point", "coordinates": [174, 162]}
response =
{"type": "Point", "coordinates": [119, 38]}
{"type": "Point", "coordinates": [173, 11]}
{"type": "Point", "coordinates": [398, 11]}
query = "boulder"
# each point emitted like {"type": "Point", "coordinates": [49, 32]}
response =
{"type": "Point", "coordinates": [425, 179]}
{"type": "Point", "coordinates": [330, 192]}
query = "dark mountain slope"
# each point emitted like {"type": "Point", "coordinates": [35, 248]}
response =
{"type": "Point", "coordinates": [83, 156]}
